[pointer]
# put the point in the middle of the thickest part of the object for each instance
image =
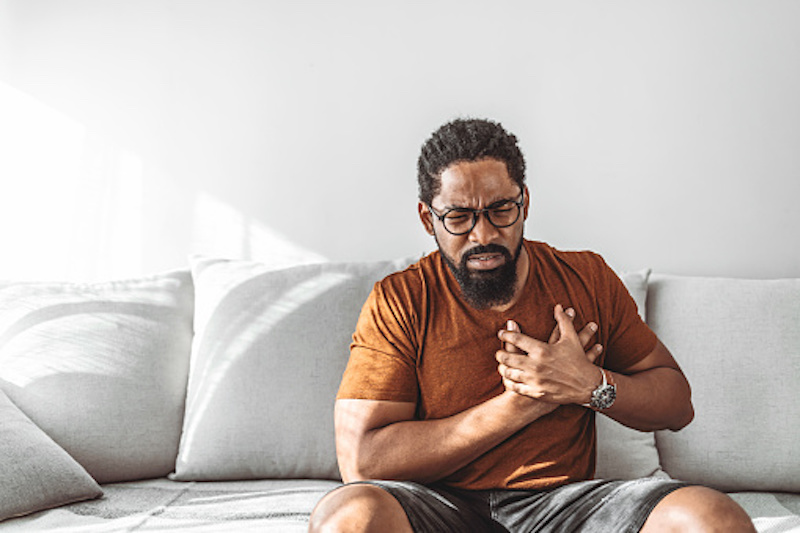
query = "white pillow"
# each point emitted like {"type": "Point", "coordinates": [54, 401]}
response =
{"type": "Point", "coordinates": [101, 368]}
{"type": "Point", "coordinates": [738, 342]}
{"type": "Point", "coordinates": [35, 474]}
{"type": "Point", "coordinates": [622, 452]}
{"type": "Point", "coordinates": [269, 351]}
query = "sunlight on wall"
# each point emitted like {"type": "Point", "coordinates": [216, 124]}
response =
{"type": "Point", "coordinates": [70, 200]}
{"type": "Point", "coordinates": [223, 231]}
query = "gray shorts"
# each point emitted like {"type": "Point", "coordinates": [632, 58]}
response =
{"type": "Point", "coordinates": [588, 506]}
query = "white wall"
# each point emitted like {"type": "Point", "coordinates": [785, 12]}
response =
{"type": "Point", "coordinates": [659, 133]}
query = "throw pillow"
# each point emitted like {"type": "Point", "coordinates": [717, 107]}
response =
{"type": "Point", "coordinates": [101, 368]}
{"type": "Point", "coordinates": [622, 452]}
{"type": "Point", "coordinates": [738, 342]}
{"type": "Point", "coordinates": [268, 355]}
{"type": "Point", "coordinates": [36, 473]}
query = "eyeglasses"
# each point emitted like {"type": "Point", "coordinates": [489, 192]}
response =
{"type": "Point", "coordinates": [461, 220]}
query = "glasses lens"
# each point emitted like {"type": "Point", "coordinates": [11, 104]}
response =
{"type": "Point", "coordinates": [504, 215]}
{"type": "Point", "coordinates": [459, 222]}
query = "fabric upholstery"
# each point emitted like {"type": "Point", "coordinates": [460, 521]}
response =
{"type": "Point", "coordinates": [35, 473]}
{"type": "Point", "coordinates": [738, 342]}
{"type": "Point", "coordinates": [269, 351]}
{"type": "Point", "coordinates": [258, 506]}
{"type": "Point", "coordinates": [101, 368]}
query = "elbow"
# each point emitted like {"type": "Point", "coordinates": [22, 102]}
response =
{"type": "Point", "coordinates": [685, 418]}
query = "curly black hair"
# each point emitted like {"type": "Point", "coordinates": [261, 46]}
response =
{"type": "Point", "coordinates": [466, 140]}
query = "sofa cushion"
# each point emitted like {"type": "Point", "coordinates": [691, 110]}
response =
{"type": "Point", "coordinates": [36, 473]}
{"type": "Point", "coordinates": [163, 506]}
{"type": "Point", "coordinates": [738, 342]}
{"type": "Point", "coordinates": [268, 355]}
{"type": "Point", "coordinates": [622, 452]}
{"type": "Point", "coordinates": [101, 368]}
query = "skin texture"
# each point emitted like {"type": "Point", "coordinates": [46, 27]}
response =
{"type": "Point", "coordinates": [383, 440]}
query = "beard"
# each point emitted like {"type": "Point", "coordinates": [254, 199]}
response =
{"type": "Point", "coordinates": [483, 289]}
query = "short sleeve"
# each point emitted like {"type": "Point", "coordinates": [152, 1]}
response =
{"type": "Point", "coordinates": [630, 339]}
{"type": "Point", "coordinates": [382, 364]}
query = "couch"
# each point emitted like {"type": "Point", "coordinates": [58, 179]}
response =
{"type": "Point", "coordinates": [202, 399]}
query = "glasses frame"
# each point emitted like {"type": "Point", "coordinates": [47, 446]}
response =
{"type": "Point", "coordinates": [476, 213]}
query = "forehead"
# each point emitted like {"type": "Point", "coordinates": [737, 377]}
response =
{"type": "Point", "coordinates": [475, 184]}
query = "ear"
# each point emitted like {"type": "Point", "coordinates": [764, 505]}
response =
{"type": "Point", "coordinates": [426, 217]}
{"type": "Point", "coordinates": [526, 197]}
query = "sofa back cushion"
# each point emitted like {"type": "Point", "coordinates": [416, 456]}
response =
{"type": "Point", "coordinates": [101, 368]}
{"type": "Point", "coordinates": [738, 342]}
{"type": "Point", "coordinates": [268, 355]}
{"type": "Point", "coordinates": [622, 452]}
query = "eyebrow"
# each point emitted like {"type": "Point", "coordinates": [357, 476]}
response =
{"type": "Point", "coordinates": [490, 206]}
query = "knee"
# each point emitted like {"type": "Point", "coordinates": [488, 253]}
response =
{"type": "Point", "coordinates": [357, 508]}
{"type": "Point", "coordinates": [698, 509]}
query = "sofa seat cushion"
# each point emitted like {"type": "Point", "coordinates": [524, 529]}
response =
{"type": "Point", "coordinates": [101, 368]}
{"type": "Point", "coordinates": [263, 506]}
{"type": "Point", "coordinates": [771, 512]}
{"type": "Point", "coordinates": [738, 342]}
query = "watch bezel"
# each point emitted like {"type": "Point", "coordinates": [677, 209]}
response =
{"type": "Point", "coordinates": [605, 395]}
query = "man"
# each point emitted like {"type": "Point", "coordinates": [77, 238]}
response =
{"type": "Point", "coordinates": [474, 378]}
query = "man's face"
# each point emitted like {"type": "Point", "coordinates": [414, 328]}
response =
{"type": "Point", "coordinates": [484, 260]}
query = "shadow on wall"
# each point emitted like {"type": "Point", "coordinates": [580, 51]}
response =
{"type": "Point", "coordinates": [74, 205]}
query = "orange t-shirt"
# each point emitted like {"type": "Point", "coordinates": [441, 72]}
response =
{"type": "Point", "coordinates": [418, 341]}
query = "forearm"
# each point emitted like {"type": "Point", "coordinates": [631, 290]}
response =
{"type": "Point", "coordinates": [659, 398]}
{"type": "Point", "coordinates": [429, 450]}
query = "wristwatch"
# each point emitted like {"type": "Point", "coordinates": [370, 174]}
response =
{"type": "Point", "coordinates": [603, 396]}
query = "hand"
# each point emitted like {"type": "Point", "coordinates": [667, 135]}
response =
{"type": "Point", "coordinates": [560, 371]}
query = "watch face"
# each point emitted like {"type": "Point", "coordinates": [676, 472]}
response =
{"type": "Point", "coordinates": [604, 397]}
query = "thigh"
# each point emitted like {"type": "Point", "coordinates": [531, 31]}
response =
{"type": "Point", "coordinates": [438, 509]}
{"type": "Point", "coordinates": [589, 506]}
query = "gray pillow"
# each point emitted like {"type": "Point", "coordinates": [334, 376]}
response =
{"type": "Point", "coordinates": [35, 473]}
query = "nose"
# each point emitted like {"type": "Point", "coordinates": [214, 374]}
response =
{"type": "Point", "coordinates": [484, 231]}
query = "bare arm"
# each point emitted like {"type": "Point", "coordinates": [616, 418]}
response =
{"type": "Point", "coordinates": [652, 394]}
{"type": "Point", "coordinates": [382, 440]}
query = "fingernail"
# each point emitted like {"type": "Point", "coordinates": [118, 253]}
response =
{"type": "Point", "coordinates": [598, 348]}
{"type": "Point", "coordinates": [593, 326]}
{"type": "Point", "coordinates": [510, 325]}
{"type": "Point", "coordinates": [570, 312]}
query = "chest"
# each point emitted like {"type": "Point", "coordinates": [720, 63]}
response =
{"type": "Point", "coordinates": [457, 368]}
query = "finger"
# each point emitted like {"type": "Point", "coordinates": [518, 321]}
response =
{"type": "Point", "coordinates": [556, 331]}
{"type": "Point", "coordinates": [525, 344]}
{"type": "Point", "coordinates": [587, 333]}
{"type": "Point", "coordinates": [565, 325]}
{"type": "Point", "coordinates": [512, 360]}
{"type": "Point", "coordinates": [510, 374]}
{"type": "Point", "coordinates": [507, 346]}
{"type": "Point", "coordinates": [594, 352]}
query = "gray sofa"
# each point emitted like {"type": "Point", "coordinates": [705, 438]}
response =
{"type": "Point", "coordinates": [202, 399]}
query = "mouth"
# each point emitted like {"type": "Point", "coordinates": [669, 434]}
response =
{"type": "Point", "coordinates": [488, 261]}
